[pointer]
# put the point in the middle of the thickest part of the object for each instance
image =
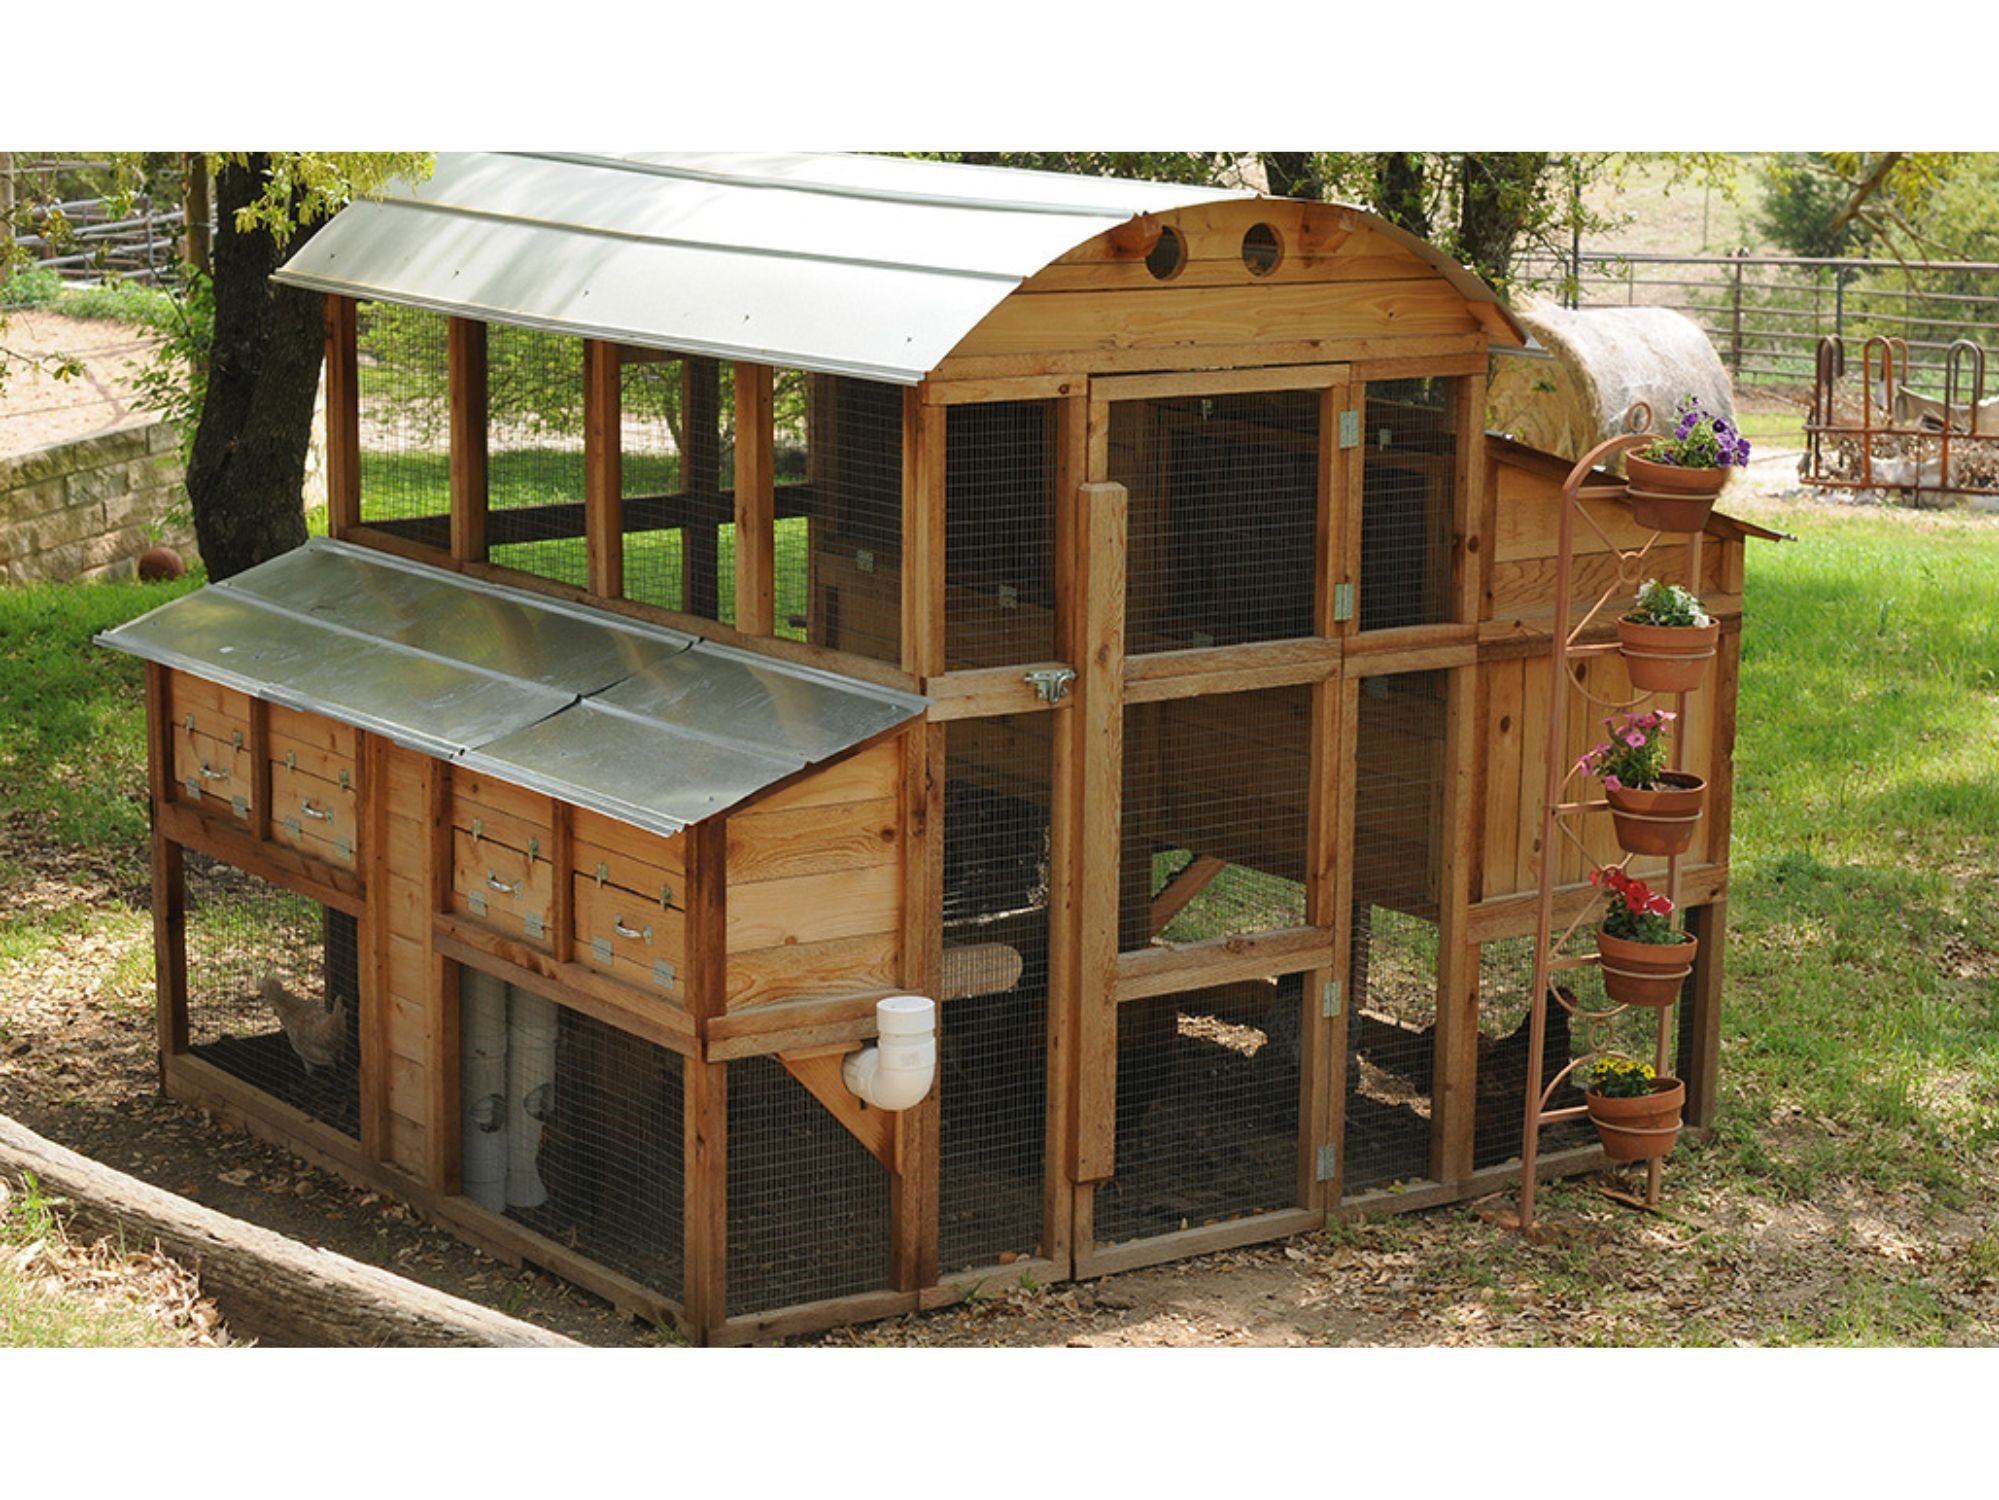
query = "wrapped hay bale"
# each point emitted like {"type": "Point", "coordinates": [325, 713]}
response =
{"type": "Point", "coordinates": [1604, 358]}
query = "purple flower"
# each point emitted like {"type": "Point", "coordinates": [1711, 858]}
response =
{"type": "Point", "coordinates": [1742, 451]}
{"type": "Point", "coordinates": [1687, 424]}
{"type": "Point", "coordinates": [1722, 429]}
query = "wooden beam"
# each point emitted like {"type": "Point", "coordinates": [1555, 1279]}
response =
{"type": "Point", "coordinates": [1204, 1239]}
{"type": "Point", "coordinates": [821, 1071]}
{"type": "Point", "coordinates": [1195, 878]}
{"type": "Point", "coordinates": [1026, 388]}
{"type": "Point", "coordinates": [988, 692]}
{"type": "Point", "coordinates": [1098, 720]}
{"type": "Point", "coordinates": [343, 418]}
{"type": "Point", "coordinates": [329, 885]}
{"type": "Point", "coordinates": [1218, 382]}
{"type": "Point", "coordinates": [756, 501]}
{"type": "Point", "coordinates": [1200, 670]}
{"type": "Point", "coordinates": [603, 468]}
{"type": "Point", "coordinates": [1172, 968]}
{"type": "Point", "coordinates": [1701, 1023]}
{"type": "Point", "coordinates": [376, 1007]}
{"type": "Point", "coordinates": [443, 1153]}
{"type": "Point", "coordinates": [1468, 540]}
{"type": "Point", "coordinates": [923, 437]}
{"type": "Point", "coordinates": [465, 347]}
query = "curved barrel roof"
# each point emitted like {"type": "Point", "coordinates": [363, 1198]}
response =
{"type": "Point", "coordinates": [859, 265]}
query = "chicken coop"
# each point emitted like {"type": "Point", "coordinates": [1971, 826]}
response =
{"type": "Point", "coordinates": [760, 586]}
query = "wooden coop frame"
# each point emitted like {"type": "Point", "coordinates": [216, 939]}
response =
{"type": "Point", "coordinates": [1159, 345]}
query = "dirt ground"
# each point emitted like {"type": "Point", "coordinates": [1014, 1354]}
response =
{"type": "Point", "coordinates": [39, 409]}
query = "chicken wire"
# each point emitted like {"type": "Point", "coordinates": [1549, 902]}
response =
{"type": "Point", "coordinates": [248, 939]}
{"type": "Point", "coordinates": [1392, 982]}
{"type": "Point", "coordinates": [405, 427]}
{"type": "Point", "coordinates": [1223, 518]}
{"type": "Point", "coordinates": [574, 1129]}
{"type": "Point", "coordinates": [839, 577]}
{"type": "Point", "coordinates": [1216, 800]}
{"type": "Point", "coordinates": [999, 533]}
{"type": "Point", "coordinates": [678, 426]}
{"type": "Point", "coordinates": [1408, 497]}
{"type": "Point", "coordinates": [993, 1060]}
{"type": "Point", "coordinates": [534, 454]}
{"type": "Point", "coordinates": [809, 1206]}
{"type": "Point", "coordinates": [1207, 1109]}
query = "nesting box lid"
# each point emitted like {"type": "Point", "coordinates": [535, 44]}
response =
{"type": "Point", "coordinates": [652, 726]}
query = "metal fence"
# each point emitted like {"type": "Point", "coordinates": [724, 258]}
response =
{"type": "Point", "coordinates": [1766, 313]}
{"type": "Point", "coordinates": [137, 241]}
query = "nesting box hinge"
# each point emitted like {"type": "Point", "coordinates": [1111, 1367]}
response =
{"type": "Point", "coordinates": [603, 874]}
{"type": "Point", "coordinates": [1051, 684]}
{"type": "Point", "coordinates": [345, 781]}
{"type": "Point", "coordinates": [532, 924]}
{"type": "Point", "coordinates": [601, 946]}
{"type": "Point", "coordinates": [665, 897]}
{"type": "Point", "coordinates": [291, 764]}
{"type": "Point", "coordinates": [662, 973]}
{"type": "Point", "coordinates": [1342, 601]}
{"type": "Point", "coordinates": [1349, 429]}
{"type": "Point", "coordinates": [478, 829]}
{"type": "Point", "coordinates": [1328, 1163]}
{"type": "Point", "coordinates": [534, 850]}
{"type": "Point", "coordinates": [1330, 995]}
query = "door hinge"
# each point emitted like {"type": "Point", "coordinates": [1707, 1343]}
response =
{"type": "Point", "coordinates": [1342, 601]}
{"type": "Point", "coordinates": [1349, 429]}
{"type": "Point", "coordinates": [1330, 995]}
{"type": "Point", "coordinates": [1328, 1163]}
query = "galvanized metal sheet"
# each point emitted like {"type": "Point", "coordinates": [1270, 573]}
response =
{"type": "Point", "coordinates": [860, 265]}
{"type": "Point", "coordinates": [648, 725]}
{"type": "Point", "coordinates": [487, 626]}
{"type": "Point", "coordinates": [423, 701]}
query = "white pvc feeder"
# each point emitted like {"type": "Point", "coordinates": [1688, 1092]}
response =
{"type": "Point", "coordinates": [898, 1070]}
{"type": "Point", "coordinates": [530, 1081]}
{"type": "Point", "coordinates": [482, 1020]}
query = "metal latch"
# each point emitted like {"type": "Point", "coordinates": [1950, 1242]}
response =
{"type": "Point", "coordinates": [1349, 429]}
{"type": "Point", "coordinates": [601, 946]}
{"type": "Point", "coordinates": [662, 973]}
{"type": "Point", "coordinates": [864, 561]}
{"type": "Point", "coordinates": [1342, 601]}
{"type": "Point", "coordinates": [1328, 1163]}
{"type": "Point", "coordinates": [532, 924]}
{"type": "Point", "coordinates": [1330, 996]}
{"type": "Point", "coordinates": [1051, 684]}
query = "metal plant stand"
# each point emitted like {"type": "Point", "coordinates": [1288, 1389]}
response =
{"type": "Point", "coordinates": [1562, 808]}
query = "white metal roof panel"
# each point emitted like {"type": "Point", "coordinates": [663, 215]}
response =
{"type": "Point", "coordinates": [652, 726]}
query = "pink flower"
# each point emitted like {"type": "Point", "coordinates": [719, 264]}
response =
{"type": "Point", "coordinates": [1612, 784]}
{"type": "Point", "coordinates": [1635, 741]}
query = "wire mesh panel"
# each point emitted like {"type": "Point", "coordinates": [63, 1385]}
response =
{"type": "Point", "coordinates": [534, 463]}
{"type": "Point", "coordinates": [1407, 501]}
{"type": "Point", "coordinates": [1216, 792]}
{"type": "Point", "coordinates": [1505, 976]}
{"type": "Point", "coordinates": [791, 546]}
{"type": "Point", "coordinates": [844, 568]}
{"type": "Point", "coordinates": [999, 533]}
{"type": "Point", "coordinates": [1223, 517]}
{"type": "Point", "coordinates": [404, 387]}
{"type": "Point", "coordinates": [1397, 856]}
{"type": "Point", "coordinates": [679, 447]}
{"type": "Point", "coordinates": [573, 1128]}
{"type": "Point", "coordinates": [993, 1057]}
{"type": "Point", "coordinates": [1207, 1109]}
{"type": "Point", "coordinates": [808, 1214]}
{"type": "Point", "coordinates": [273, 991]}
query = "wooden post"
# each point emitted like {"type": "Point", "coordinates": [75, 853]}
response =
{"type": "Point", "coordinates": [1097, 719]}
{"type": "Point", "coordinates": [343, 419]}
{"type": "Point", "coordinates": [603, 469]}
{"type": "Point", "coordinates": [923, 433]}
{"type": "Point", "coordinates": [443, 1159]}
{"type": "Point", "coordinates": [465, 345]}
{"type": "Point", "coordinates": [169, 886]}
{"type": "Point", "coordinates": [913, 1255]}
{"type": "Point", "coordinates": [756, 501]}
{"type": "Point", "coordinates": [701, 482]}
{"type": "Point", "coordinates": [1700, 1022]}
{"type": "Point", "coordinates": [1454, 1098]}
{"type": "Point", "coordinates": [372, 945]}
{"type": "Point", "coordinates": [705, 1278]}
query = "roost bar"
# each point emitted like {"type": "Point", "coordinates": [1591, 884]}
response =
{"type": "Point", "coordinates": [758, 585]}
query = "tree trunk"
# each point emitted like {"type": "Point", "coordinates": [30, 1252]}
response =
{"type": "Point", "coordinates": [1402, 193]}
{"type": "Point", "coordinates": [1293, 174]}
{"type": "Point", "coordinates": [1496, 196]}
{"type": "Point", "coordinates": [268, 1287]}
{"type": "Point", "coordinates": [247, 475]}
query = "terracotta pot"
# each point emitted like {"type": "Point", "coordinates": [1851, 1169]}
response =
{"type": "Point", "coordinates": [159, 563]}
{"type": "Point", "coordinates": [1666, 497]}
{"type": "Point", "coordinates": [1639, 1129]}
{"type": "Point", "coordinates": [1666, 658]}
{"type": "Point", "coordinates": [1646, 974]}
{"type": "Point", "coordinates": [1659, 821]}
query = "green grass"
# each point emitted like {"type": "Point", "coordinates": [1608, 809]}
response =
{"type": "Point", "coordinates": [34, 1315]}
{"type": "Point", "coordinates": [118, 301]}
{"type": "Point", "coordinates": [73, 751]}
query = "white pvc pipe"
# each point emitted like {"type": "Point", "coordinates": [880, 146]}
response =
{"type": "Point", "coordinates": [898, 1070]}
{"type": "Point", "coordinates": [530, 1082]}
{"type": "Point", "coordinates": [482, 1008]}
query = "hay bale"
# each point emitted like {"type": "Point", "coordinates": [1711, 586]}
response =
{"type": "Point", "coordinates": [1604, 358]}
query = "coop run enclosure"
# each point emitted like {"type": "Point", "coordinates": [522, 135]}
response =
{"type": "Point", "coordinates": [762, 585]}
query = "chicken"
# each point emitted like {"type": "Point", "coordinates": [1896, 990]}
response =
{"type": "Point", "coordinates": [317, 1035]}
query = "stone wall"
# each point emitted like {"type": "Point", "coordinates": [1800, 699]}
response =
{"type": "Point", "coordinates": [85, 510]}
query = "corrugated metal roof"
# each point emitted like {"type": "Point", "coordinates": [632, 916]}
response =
{"type": "Point", "coordinates": [860, 265]}
{"type": "Point", "coordinates": [649, 725]}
